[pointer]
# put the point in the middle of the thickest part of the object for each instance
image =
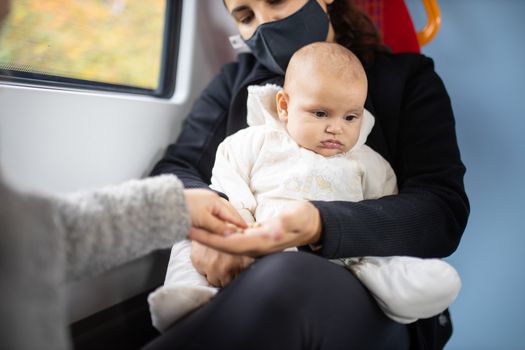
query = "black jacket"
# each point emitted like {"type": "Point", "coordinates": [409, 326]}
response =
{"type": "Point", "coordinates": [414, 131]}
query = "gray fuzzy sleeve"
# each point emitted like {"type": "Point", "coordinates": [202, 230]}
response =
{"type": "Point", "coordinates": [113, 225]}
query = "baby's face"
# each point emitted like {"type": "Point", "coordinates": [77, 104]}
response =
{"type": "Point", "coordinates": [324, 113]}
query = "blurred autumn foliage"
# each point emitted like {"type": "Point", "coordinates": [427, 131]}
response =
{"type": "Point", "coordinates": [111, 41]}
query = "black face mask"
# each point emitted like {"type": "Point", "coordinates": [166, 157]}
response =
{"type": "Point", "coordinates": [274, 43]}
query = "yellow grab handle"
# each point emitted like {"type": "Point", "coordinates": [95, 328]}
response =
{"type": "Point", "coordinates": [433, 22]}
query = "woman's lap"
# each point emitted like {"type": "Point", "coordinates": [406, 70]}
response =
{"type": "Point", "coordinates": [288, 301]}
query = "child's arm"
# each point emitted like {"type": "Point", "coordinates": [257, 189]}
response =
{"type": "Point", "coordinates": [246, 215]}
{"type": "Point", "coordinates": [231, 172]}
{"type": "Point", "coordinates": [379, 179]}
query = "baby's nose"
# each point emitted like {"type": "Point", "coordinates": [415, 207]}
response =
{"type": "Point", "coordinates": [333, 129]}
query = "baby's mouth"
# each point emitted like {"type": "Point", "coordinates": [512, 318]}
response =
{"type": "Point", "coordinates": [331, 144]}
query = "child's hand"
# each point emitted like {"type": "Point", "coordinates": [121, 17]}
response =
{"type": "Point", "coordinates": [248, 229]}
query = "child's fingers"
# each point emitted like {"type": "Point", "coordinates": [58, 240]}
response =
{"type": "Point", "coordinates": [271, 229]}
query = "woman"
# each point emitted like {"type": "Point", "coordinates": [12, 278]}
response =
{"type": "Point", "coordinates": [308, 302]}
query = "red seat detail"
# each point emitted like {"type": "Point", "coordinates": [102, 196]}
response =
{"type": "Point", "coordinates": [393, 21]}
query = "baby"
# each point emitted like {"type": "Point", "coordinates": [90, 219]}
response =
{"type": "Point", "coordinates": [306, 141]}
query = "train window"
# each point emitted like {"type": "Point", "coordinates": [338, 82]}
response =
{"type": "Point", "coordinates": [115, 45]}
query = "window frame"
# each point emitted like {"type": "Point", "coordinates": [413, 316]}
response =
{"type": "Point", "coordinates": [167, 72]}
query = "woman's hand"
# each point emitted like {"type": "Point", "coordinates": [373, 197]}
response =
{"type": "Point", "coordinates": [299, 224]}
{"type": "Point", "coordinates": [212, 214]}
{"type": "Point", "coordinates": [218, 268]}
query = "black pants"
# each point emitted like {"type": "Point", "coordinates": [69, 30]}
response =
{"type": "Point", "coordinates": [288, 301]}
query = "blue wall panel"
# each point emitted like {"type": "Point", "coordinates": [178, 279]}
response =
{"type": "Point", "coordinates": [480, 54]}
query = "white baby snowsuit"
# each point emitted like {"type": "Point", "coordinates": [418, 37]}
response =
{"type": "Point", "coordinates": [261, 169]}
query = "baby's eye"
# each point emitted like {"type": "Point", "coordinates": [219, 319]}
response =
{"type": "Point", "coordinates": [351, 117]}
{"type": "Point", "coordinates": [274, 2]}
{"type": "Point", "coordinates": [320, 114]}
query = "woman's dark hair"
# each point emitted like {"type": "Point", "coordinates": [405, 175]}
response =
{"type": "Point", "coordinates": [355, 30]}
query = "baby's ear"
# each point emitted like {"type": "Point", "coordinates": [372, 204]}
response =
{"type": "Point", "coordinates": [281, 99]}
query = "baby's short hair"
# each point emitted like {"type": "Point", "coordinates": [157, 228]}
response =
{"type": "Point", "coordinates": [326, 56]}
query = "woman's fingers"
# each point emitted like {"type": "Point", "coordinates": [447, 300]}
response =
{"type": "Point", "coordinates": [218, 268]}
{"type": "Point", "coordinates": [212, 213]}
{"type": "Point", "coordinates": [297, 225]}
{"type": "Point", "coordinates": [217, 226]}
{"type": "Point", "coordinates": [214, 281]}
{"type": "Point", "coordinates": [223, 219]}
{"type": "Point", "coordinates": [245, 244]}
{"type": "Point", "coordinates": [229, 214]}
{"type": "Point", "coordinates": [236, 243]}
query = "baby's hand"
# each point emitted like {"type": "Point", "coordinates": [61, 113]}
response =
{"type": "Point", "coordinates": [249, 229]}
{"type": "Point", "coordinates": [272, 229]}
